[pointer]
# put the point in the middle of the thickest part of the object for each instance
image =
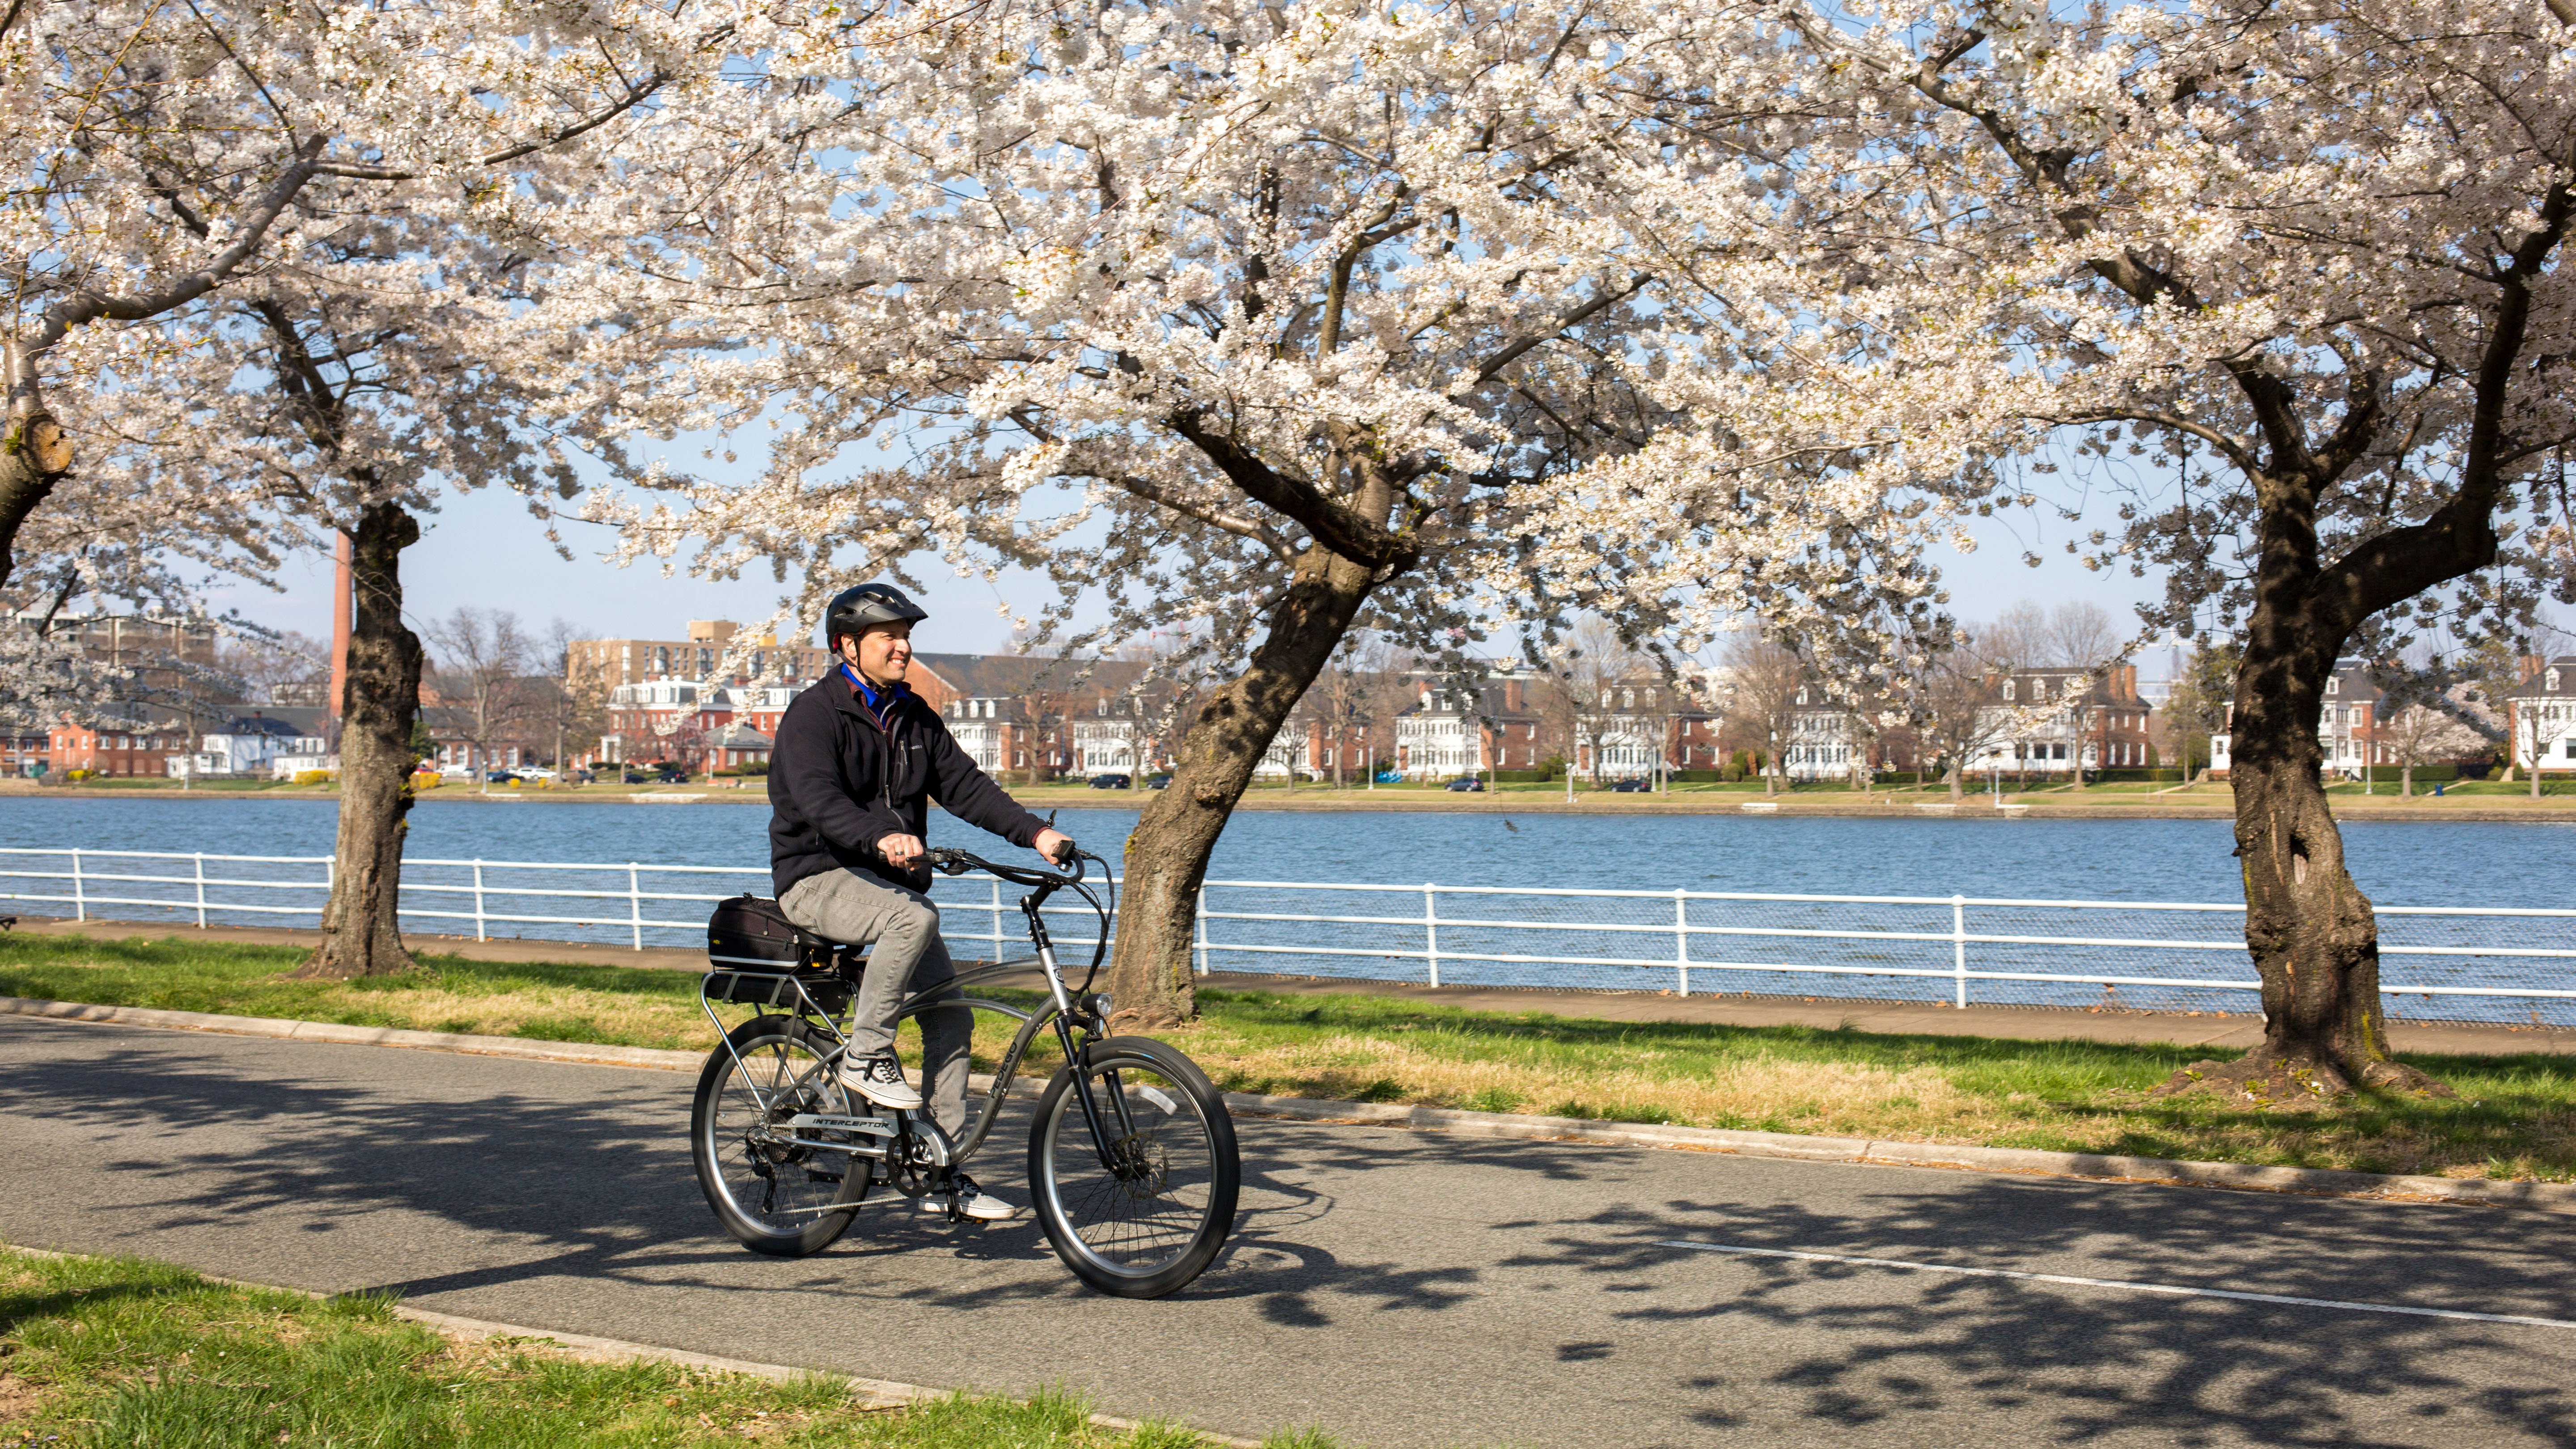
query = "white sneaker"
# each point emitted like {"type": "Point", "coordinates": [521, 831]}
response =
{"type": "Point", "coordinates": [879, 1079]}
{"type": "Point", "coordinates": [975, 1203]}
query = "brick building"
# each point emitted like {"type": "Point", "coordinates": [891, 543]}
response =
{"type": "Point", "coordinates": [116, 747]}
{"type": "Point", "coordinates": [613, 662]}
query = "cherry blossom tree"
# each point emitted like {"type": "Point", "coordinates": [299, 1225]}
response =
{"type": "Point", "coordinates": [1276, 320]}
{"type": "Point", "coordinates": [2296, 273]}
{"type": "Point", "coordinates": [123, 117]}
{"type": "Point", "coordinates": [371, 330]}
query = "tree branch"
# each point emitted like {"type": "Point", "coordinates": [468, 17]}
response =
{"type": "Point", "coordinates": [1575, 318]}
{"type": "Point", "coordinates": [1332, 525]}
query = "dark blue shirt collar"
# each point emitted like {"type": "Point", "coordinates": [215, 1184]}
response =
{"type": "Point", "coordinates": [877, 701]}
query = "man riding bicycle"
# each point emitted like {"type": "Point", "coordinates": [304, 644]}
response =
{"type": "Point", "coordinates": [857, 757]}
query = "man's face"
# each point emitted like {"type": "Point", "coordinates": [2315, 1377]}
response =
{"type": "Point", "coordinates": [882, 653]}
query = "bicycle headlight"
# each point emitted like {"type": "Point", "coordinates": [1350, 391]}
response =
{"type": "Point", "coordinates": [1100, 1004]}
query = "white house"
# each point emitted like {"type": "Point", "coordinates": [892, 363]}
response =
{"type": "Point", "coordinates": [254, 745]}
{"type": "Point", "coordinates": [2544, 714]}
{"type": "Point", "coordinates": [2056, 721]}
{"type": "Point", "coordinates": [2349, 726]}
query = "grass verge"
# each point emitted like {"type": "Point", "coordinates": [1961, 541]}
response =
{"type": "Point", "coordinates": [2515, 1118]}
{"type": "Point", "coordinates": [120, 1351]}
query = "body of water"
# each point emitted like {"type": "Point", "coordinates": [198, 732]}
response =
{"type": "Point", "coordinates": [2435, 863]}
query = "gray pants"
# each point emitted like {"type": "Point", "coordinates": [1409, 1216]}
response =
{"type": "Point", "coordinates": [902, 929]}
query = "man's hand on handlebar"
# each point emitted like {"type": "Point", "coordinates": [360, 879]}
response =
{"type": "Point", "coordinates": [901, 851]}
{"type": "Point", "coordinates": [1054, 844]}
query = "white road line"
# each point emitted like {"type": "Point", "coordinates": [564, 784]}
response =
{"type": "Point", "coordinates": [2167, 1288]}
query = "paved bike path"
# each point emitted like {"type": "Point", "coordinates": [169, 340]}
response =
{"type": "Point", "coordinates": [1398, 1288]}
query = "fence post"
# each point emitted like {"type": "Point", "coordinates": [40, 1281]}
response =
{"type": "Point", "coordinates": [1681, 938]}
{"type": "Point", "coordinates": [80, 896]}
{"type": "Point", "coordinates": [478, 899]}
{"type": "Point", "coordinates": [1198, 928]}
{"type": "Point", "coordinates": [201, 890]}
{"type": "Point", "coordinates": [1431, 930]}
{"type": "Point", "coordinates": [997, 918]}
{"type": "Point", "coordinates": [635, 904]}
{"type": "Point", "coordinates": [1959, 947]}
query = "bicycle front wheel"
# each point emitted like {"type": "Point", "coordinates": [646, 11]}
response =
{"type": "Point", "coordinates": [774, 1193]}
{"type": "Point", "coordinates": [1143, 1209]}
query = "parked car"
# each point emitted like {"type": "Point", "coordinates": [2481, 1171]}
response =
{"type": "Point", "coordinates": [1112, 782]}
{"type": "Point", "coordinates": [1158, 782]}
{"type": "Point", "coordinates": [1633, 785]}
{"type": "Point", "coordinates": [499, 777]}
{"type": "Point", "coordinates": [535, 772]}
{"type": "Point", "coordinates": [1467, 783]}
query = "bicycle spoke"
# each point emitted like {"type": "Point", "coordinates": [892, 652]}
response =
{"type": "Point", "coordinates": [776, 1185]}
{"type": "Point", "coordinates": [1149, 1205]}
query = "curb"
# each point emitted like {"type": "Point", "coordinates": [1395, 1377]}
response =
{"type": "Point", "coordinates": [2556, 1197]}
{"type": "Point", "coordinates": [2559, 1197]}
{"type": "Point", "coordinates": [323, 1031]}
{"type": "Point", "coordinates": [867, 1393]}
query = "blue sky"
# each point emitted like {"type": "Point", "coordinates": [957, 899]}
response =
{"type": "Point", "coordinates": [484, 550]}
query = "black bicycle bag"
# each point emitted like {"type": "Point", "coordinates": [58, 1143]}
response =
{"type": "Point", "coordinates": [758, 957]}
{"type": "Point", "coordinates": [751, 933]}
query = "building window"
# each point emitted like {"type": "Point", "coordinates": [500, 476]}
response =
{"type": "Point", "coordinates": [2008, 692]}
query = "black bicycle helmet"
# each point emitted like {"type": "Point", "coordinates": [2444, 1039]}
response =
{"type": "Point", "coordinates": [853, 610]}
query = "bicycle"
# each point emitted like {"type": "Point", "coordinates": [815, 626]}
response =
{"type": "Point", "coordinates": [1132, 1163]}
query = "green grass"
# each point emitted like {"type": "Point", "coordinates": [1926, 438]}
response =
{"type": "Point", "coordinates": [120, 1351]}
{"type": "Point", "coordinates": [2516, 1116]}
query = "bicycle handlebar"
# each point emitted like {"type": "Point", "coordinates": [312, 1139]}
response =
{"type": "Point", "coordinates": [948, 860]}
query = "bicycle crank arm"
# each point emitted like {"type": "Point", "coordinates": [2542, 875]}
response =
{"type": "Point", "coordinates": [830, 1122]}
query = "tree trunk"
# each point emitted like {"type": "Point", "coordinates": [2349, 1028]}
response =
{"type": "Point", "coordinates": [361, 934]}
{"type": "Point", "coordinates": [2314, 941]}
{"type": "Point", "coordinates": [1958, 780]}
{"type": "Point", "coordinates": [1167, 856]}
{"type": "Point", "coordinates": [2407, 773]}
{"type": "Point", "coordinates": [34, 456]}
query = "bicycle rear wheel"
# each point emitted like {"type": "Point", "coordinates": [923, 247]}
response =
{"type": "Point", "coordinates": [1150, 1219]}
{"type": "Point", "coordinates": [773, 1195]}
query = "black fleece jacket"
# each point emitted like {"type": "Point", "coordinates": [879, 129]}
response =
{"type": "Point", "coordinates": [839, 782]}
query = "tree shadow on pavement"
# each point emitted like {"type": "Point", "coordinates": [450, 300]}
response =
{"type": "Point", "coordinates": [1362, 1253]}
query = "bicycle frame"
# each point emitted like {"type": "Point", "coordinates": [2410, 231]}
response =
{"type": "Point", "coordinates": [1065, 1013]}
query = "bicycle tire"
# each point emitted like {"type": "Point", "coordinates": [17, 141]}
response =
{"type": "Point", "coordinates": [1153, 1223]}
{"type": "Point", "coordinates": [766, 1195]}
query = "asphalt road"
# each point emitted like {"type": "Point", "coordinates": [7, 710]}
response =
{"type": "Point", "coordinates": [1397, 1288]}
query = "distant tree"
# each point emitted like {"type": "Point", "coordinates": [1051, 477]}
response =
{"type": "Point", "coordinates": [484, 656]}
{"type": "Point", "coordinates": [1955, 712]}
{"type": "Point", "coordinates": [2196, 708]}
{"type": "Point", "coordinates": [2419, 735]}
{"type": "Point", "coordinates": [1591, 667]}
{"type": "Point", "coordinates": [285, 668]}
{"type": "Point", "coordinates": [1764, 678]}
{"type": "Point", "coordinates": [1343, 695]}
{"type": "Point", "coordinates": [564, 706]}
